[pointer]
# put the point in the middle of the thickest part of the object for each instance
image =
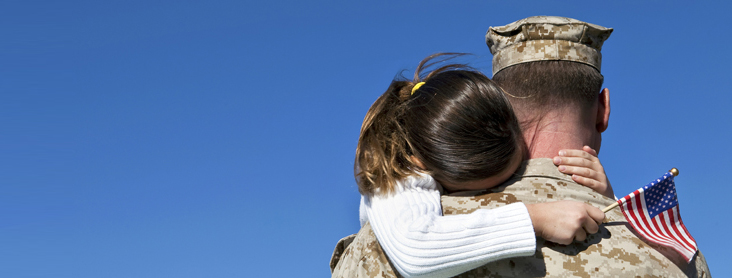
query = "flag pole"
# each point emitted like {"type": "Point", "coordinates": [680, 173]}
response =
{"type": "Point", "coordinates": [608, 208]}
{"type": "Point", "coordinates": [673, 171]}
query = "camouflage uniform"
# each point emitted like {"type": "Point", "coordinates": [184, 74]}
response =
{"type": "Point", "coordinates": [615, 251]}
{"type": "Point", "coordinates": [360, 255]}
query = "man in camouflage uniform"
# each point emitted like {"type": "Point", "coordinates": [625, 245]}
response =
{"type": "Point", "coordinates": [531, 56]}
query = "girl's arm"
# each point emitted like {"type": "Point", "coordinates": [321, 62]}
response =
{"type": "Point", "coordinates": [420, 242]}
{"type": "Point", "coordinates": [585, 168]}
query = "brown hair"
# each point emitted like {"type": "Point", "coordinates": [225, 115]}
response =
{"type": "Point", "coordinates": [543, 85]}
{"type": "Point", "coordinates": [458, 124]}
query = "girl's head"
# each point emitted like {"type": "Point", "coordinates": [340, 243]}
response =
{"type": "Point", "coordinates": [457, 126]}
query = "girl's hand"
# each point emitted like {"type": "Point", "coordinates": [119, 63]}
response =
{"type": "Point", "coordinates": [564, 221]}
{"type": "Point", "coordinates": [585, 168]}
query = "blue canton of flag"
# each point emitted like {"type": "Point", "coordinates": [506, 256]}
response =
{"type": "Point", "coordinates": [660, 195]}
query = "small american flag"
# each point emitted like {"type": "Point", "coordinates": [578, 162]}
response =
{"type": "Point", "coordinates": [653, 211]}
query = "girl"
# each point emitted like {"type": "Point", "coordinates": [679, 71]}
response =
{"type": "Point", "coordinates": [451, 129]}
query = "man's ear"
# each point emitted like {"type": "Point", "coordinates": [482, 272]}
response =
{"type": "Point", "coordinates": [603, 111]}
{"type": "Point", "coordinates": [417, 162]}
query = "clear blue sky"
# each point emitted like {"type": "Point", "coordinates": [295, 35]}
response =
{"type": "Point", "coordinates": [216, 138]}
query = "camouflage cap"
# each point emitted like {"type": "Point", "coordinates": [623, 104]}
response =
{"type": "Point", "coordinates": [541, 38]}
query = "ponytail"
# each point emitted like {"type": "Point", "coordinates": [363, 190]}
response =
{"type": "Point", "coordinates": [382, 153]}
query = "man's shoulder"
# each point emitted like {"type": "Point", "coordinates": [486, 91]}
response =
{"type": "Point", "coordinates": [360, 255]}
{"type": "Point", "coordinates": [615, 251]}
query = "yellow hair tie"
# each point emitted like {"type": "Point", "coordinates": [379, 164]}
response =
{"type": "Point", "coordinates": [416, 87]}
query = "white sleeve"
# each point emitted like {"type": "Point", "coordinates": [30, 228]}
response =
{"type": "Point", "coordinates": [420, 242]}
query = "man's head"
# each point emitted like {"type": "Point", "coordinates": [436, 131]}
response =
{"type": "Point", "coordinates": [550, 66]}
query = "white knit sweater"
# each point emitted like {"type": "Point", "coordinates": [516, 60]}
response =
{"type": "Point", "coordinates": [420, 242]}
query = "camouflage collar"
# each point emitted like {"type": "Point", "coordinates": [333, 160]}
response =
{"type": "Point", "coordinates": [539, 167]}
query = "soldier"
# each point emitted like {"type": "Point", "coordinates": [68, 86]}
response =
{"type": "Point", "coordinates": [550, 69]}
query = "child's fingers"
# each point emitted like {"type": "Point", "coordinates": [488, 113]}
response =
{"type": "Point", "coordinates": [580, 235]}
{"type": "Point", "coordinates": [591, 226]}
{"type": "Point", "coordinates": [588, 182]}
{"type": "Point", "coordinates": [573, 170]}
{"type": "Point", "coordinates": [597, 215]}
{"type": "Point", "coordinates": [575, 153]}
{"type": "Point", "coordinates": [589, 150]}
{"type": "Point", "coordinates": [580, 166]}
{"type": "Point", "coordinates": [578, 153]}
{"type": "Point", "coordinates": [580, 171]}
{"type": "Point", "coordinates": [585, 168]}
{"type": "Point", "coordinates": [575, 161]}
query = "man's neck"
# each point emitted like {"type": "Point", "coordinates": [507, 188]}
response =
{"type": "Point", "coordinates": [554, 132]}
